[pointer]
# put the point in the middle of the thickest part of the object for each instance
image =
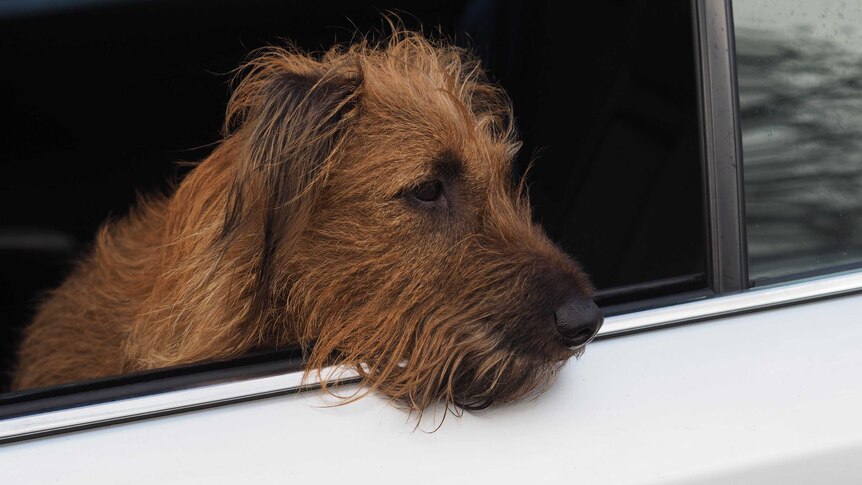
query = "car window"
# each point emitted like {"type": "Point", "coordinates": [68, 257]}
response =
{"type": "Point", "coordinates": [611, 127]}
{"type": "Point", "coordinates": [614, 130]}
{"type": "Point", "coordinates": [799, 65]}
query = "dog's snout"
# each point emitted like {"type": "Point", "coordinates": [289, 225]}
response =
{"type": "Point", "coordinates": [578, 320]}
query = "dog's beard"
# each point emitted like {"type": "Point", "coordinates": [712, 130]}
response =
{"type": "Point", "coordinates": [460, 380]}
{"type": "Point", "coordinates": [507, 377]}
{"type": "Point", "coordinates": [579, 352]}
{"type": "Point", "coordinates": [455, 357]}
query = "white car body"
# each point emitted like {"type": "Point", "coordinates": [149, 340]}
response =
{"type": "Point", "coordinates": [771, 396]}
{"type": "Point", "coordinates": [760, 385]}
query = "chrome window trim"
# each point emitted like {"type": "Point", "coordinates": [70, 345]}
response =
{"type": "Point", "coordinates": [83, 417]}
{"type": "Point", "coordinates": [171, 402]}
{"type": "Point", "coordinates": [758, 298]}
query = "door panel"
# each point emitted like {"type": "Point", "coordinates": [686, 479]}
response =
{"type": "Point", "coordinates": [764, 397]}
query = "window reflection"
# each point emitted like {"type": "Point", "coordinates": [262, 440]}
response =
{"type": "Point", "coordinates": [800, 86]}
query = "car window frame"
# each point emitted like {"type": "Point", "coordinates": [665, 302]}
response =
{"type": "Point", "coordinates": [721, 143]}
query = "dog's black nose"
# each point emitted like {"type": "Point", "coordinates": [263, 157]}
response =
{"type": "Point", "coordinates": [578, 321]}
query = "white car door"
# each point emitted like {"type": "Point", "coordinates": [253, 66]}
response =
{"type": "Point", "coordinates": [770, 396]}
{"type": "Point", "coordinates": [757, 380]}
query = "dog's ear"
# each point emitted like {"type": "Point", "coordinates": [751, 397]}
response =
{"type": "Point", "coordinates": [289, 117]}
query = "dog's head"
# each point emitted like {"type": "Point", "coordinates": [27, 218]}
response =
{"type": "Point", "coordinates": [392, 236]}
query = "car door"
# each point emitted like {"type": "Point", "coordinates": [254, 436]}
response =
{"type": "Point", "coordinates": [745, 372]}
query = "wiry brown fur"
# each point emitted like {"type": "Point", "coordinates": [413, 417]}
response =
{"type": "Point", "coordinates": [299, 229]}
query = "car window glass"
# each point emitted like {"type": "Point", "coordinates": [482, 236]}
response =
{"type": "Point", "coordinates": [799, 65]}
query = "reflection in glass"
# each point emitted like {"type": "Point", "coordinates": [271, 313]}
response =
{"type": "Point", "coordinates": [800, 86]}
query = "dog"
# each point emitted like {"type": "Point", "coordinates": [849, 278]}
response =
{"type": "Point", "coordinates": [362, 206]}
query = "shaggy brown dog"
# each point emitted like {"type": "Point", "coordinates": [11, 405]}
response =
{"type": "Point", "coordinates": [361, 202]}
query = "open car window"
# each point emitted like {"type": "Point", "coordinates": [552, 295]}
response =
{"type": "Point", "coordinates": [616, 176]}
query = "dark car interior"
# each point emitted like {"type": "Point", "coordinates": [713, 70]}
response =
{"type": "Point", "coordinates": [100, 100]}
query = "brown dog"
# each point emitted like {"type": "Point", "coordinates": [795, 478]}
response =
{"type": "Point", "coordinates": [361, 202]}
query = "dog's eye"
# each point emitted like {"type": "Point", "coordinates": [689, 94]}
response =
{"type": "Point", "coordinates": [430, 191]}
